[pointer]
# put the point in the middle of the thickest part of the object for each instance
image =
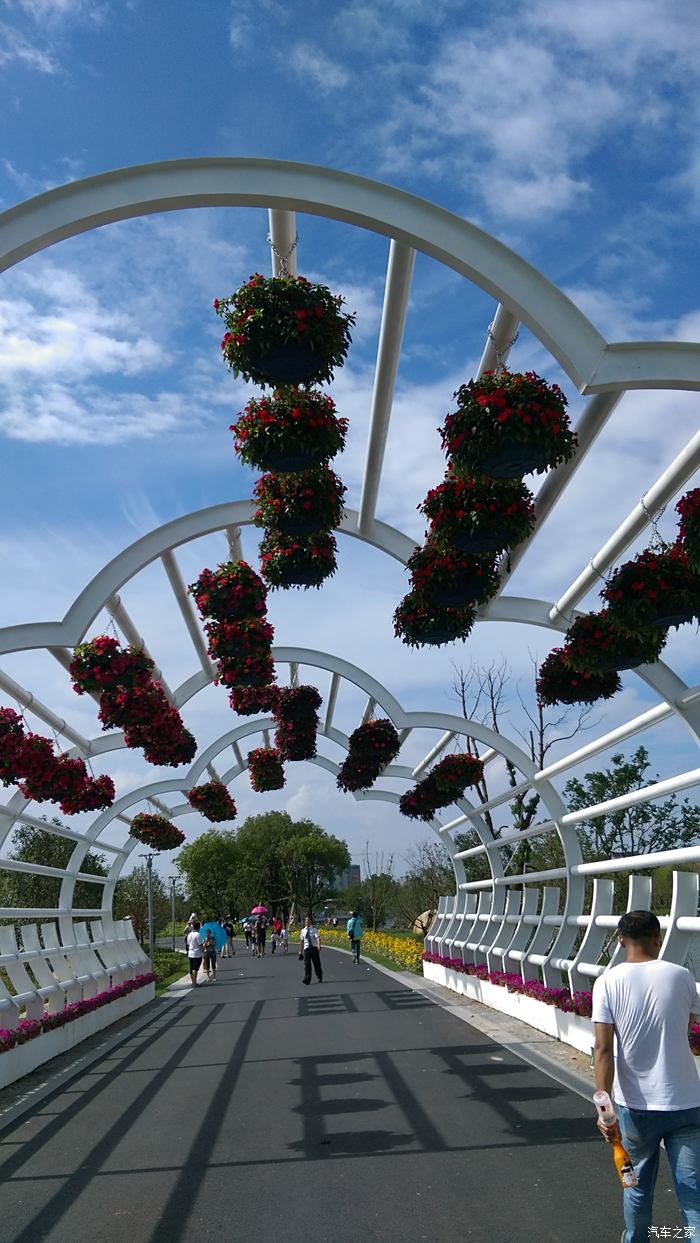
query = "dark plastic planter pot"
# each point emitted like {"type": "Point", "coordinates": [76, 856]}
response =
{"type": "Point", "coordinates": [300, 524]}
{"type": "Point", "coordinates": [302, 576]}
{"type": "Point", "coordinates": [512, 461]}
{"type": "Point", "coordinates": [480, 541]}
{"type": "Point", "coordinates": [290, 362]}
{"type": "Point", "coordinates": [290, 461]}
{"type": "Point", "coordinates": [436, 637]}
{"type": "Point", "coordinates": [457, 595]}
{"type": "Point", "coordinates": [611, 664]}
{"type": "Point", "coordinates": [664, 620]}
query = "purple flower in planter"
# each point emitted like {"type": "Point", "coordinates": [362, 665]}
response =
{"type": "Point", "coordinates": [8, 1039]}
{"type": "Point", "coordinates": [27, 1029]}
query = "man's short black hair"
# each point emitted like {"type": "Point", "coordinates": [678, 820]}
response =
{"type": "Point", "coordinates": [639, 926]}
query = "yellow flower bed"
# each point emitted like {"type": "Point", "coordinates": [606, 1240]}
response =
{"type": "Point", "coordinates": [405, 951]}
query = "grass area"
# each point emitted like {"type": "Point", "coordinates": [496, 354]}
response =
{"type": "Point", "coordinates": [168, 967]}
{"type": "Point", "coordinates": [399, 951]}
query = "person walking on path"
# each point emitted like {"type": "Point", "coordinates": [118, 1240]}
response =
{"type": "Point", "coordinates": [355, 929]}
{"type": "Point", "coordinates": [644, 1007]}
{"type": "Point", "coordinates": [260, 935]}
{"type": "Point", "coordinates": [194, 951]}
{"type": "Point", "coordinates": [209, 948]}
{"type": "Point", "coordinates": [310, 950]}
{"type": "Point", "coordinates": [229, 946]}
{"type": "Point", "coordinates": [284, 937]}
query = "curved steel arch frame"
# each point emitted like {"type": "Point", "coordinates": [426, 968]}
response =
{"type": "Point", "coordinates": [594, 365]}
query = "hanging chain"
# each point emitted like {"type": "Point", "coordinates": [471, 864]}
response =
{"type": "Point", "coordinates": [501, 354]}
{"type": "Point", "coordinates": [283, 260]}
{"type": "Point", "coordinates": [657, 539]}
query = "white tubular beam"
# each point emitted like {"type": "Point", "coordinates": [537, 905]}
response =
{"type": "Point", "coordinates": [403, 735]}
{"type": "Point", "coordinates": [266, 738]}
{"type": "Point", "coordinates": [186, 607]}
{"type": "Point", "coordinates": [658, 495]}
{"type": "Point", "coordinates": [233, 535]}
{"type": "Point", "coordinates": [531, 877]}
{"type": "Point", "coordinates": [63, 655]}
{"type": "Point", "coordinates": [293, 673]}
{"type": "Point", "coordinates": [121, 618]}
{"type": "Point", "coordinates": [512, 839]}
{"type": "Point", "coordinates": [634, 726]}
{"type": "Point", "coordinates": [369, 709]}
{"type": "Point", "coordinates": [283, 233]}
{"type": "Point", "coordinates": [237, 755]}
{"type": "Point", "coordinates": [47, 913]}
{"type": "Point", "coordinates": [432, 755]}
{"type": "Point", "coordinates": [647, 794]}
{"type": "Point", "coordinates": [27, 700]}
{"type": "Point", "coordinates": [331, 702]}
{"type": "Point", "coordinates": [162, 807]}
{"type": "Point", "coordinates": [59, 830]}
{"type": "Point", "coordinates": [476, 884]}
{"type": "Point", "coordinates": [501, 336]}
{"type": "Point", "coordinates": [589, 426]}
{"type": "Point", "coordinates": [396, 295]}
{"type": "Point", "coordinates": [213, 773]}
{"type": "Point", "coordinates": [659, 858]}
{"type": "Point", "coordinates": [41, 869]}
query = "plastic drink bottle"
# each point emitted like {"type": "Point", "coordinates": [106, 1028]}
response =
{"type": "Point", "coordinates": [621, 1157]}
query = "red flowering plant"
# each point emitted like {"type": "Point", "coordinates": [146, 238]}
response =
{"type": "Point", "coordinates": [595, 643]}
{"type": "Point", "coordinates": [284, 330]}
{"type": "Point", "coordinates": [149, 722]}
{"type": "Point", "coordinates": [418, 622]}
{"type": "Point", "coordinates": [448, 779]}
{"type": "Point", "coordinates": [294, 561]}
{"type": "Point", "coordinates": [213, 801]}
{"type": "Point", "coordinates": [451, 579]}
{"type": "Point", "coordinates": [231, 591]}
{"type": "Point", "coordinates": [80, 791]}
{"type": "Point", "coordinates": [171, 746]}
{"type": "Point", "coordinates": [299, 504]}
{"type": "Point", "coordinates": [688, 509]}
{"type": "Point", "coordinates": [508, 424]}
{"type": "Point", "coordinates": [559, 683]}
{"type": "Point", "coordinates": [256, 671]}
{"type": "Point", "coordinates": [292, 430]}
{"type": "Point", "coordinates": [656, 588]}
{"type": "Point", "coordinates": [251, 700]}
{"type": "Point", "coordinates": [11, 742]}
{"type": "Point", "coordinates": [265, 769]}
{"type": "Point", "coordinates": [479, 515]}
{"type": "Point", "coordinates": [156, 832]}
{"type": "Point", "coordinates": [102, 664]}
{"type": "Point", "coordinates": [416, 804]}
{"type": "Point", "coordinates": [370, 748]}
{"type": "Point", "coordinates": [296, 715]}
{"type": "Point", "coordinates": [233, 641]}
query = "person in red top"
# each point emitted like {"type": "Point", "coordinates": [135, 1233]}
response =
{"type": "Point", "coordinates": [278, 925]}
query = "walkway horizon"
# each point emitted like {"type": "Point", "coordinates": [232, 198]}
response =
{"type": "Point", "coordinates": [352, 1111]}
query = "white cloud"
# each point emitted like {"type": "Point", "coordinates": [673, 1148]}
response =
{"type": "Point", "coordinates": [14, 47]}
{"type": "Point", "coordinates": [312, 66]}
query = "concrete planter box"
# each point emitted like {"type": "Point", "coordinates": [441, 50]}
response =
{"type": "Point", "coordinates": [569, 1028]}
{"type": "Point", "coordinates": [23, 1059]}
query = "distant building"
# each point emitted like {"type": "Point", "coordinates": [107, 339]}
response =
{"type": "Point", "coordinates": [348, 876]}
{"type": "Point", "coordinates": [355, 875]}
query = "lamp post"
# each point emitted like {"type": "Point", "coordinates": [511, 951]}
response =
{"type": "Point", "coordinates": [151, 929]}
{"type": "Point", "coordinates": [172, 880]}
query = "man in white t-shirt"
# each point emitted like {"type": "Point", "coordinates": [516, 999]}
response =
{"type": "Point", "coordinates": [642, 1010]}
{"type": "Point", "coordinates": [310, 950]}
{"type": "Point", "coordinates": [194, 950]}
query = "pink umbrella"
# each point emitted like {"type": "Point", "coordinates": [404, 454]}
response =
{"type": "Point", "coordinates": [259, 910]}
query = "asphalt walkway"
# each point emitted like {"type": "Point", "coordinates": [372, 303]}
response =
{"type": "Point", "coordinates": [352, 1111]}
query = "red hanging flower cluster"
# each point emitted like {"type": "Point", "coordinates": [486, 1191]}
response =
{"type": "Point", "coordinates": [656, 588]}
{"type": "Point", "coordinates": [371, 747]}
{"type": "Point", "coordinates": [284, 330]}
{"type": "Point", "coordinates": [150, 723]}
{"type": "Point", "coordinates": [479, 515]}
{"type": "Point", "coordinates": [418, 622]}
{"type": "Point", "coordinates": [296, 715]}
{"type": "Point", "coordinates": [251, 700]}
{"type": "Point", "coordinates": [688, 509]}
{"type": "Point", "coordinates": [30, 762]}
{"type": "Point", "coordinates": [596, 643]}
{"type": "Point", "coordinates": [213, 801]}
{"type": "Point", "coordinates": [559, 683]}
{"type": "Point", "coordinates": [156, 832]}
{"type": "Point", "coordinates": [507, 425]}
{"type": "Point", "coordinates": [299, 504]}
{"type": "Point", "coordinates": [239, 642]}
{"type": "Point", "coordinates": [290, 561]}
{"type": "Point", "coordinates": [292, 430]}
{"type": "Point", "coordinates": [451, 579]}
{"type": "Point", "coordinates": [265, 769]}
{"type": "Point", "coordinates": [447, 781]}
{"type": "Point", "coordinates": [102, 665]}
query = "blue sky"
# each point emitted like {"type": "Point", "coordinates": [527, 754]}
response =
{"type": "Point", "coordinates": [570, 132]}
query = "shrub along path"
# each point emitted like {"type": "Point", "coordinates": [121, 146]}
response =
{"type": "Point", "coordinates": [352, 1110]}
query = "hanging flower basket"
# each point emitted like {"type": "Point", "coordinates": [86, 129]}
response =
{"type": "Point", "coordinates": [450, 579]}
{"type": "Point", "coordinates": [232, 641]}
{"type": "Point", "coordinates": [46, 777]}
{"type": "Point", "coordinates": [149, 722]}
{"type": "Point", "coordinates": [290, 561]}
{"type": "Point", "coordinates": [371, 747]}
{"type": "Point", "coordinates": [450, 778]}
{"type": "Point", "coordinates": [689, 527]}
{"type": "Point", "coordinates": [416, 804]}
{"type": "Point", "coordinates": [479, 515]}
{"type": "Point", "coordinates": [252, 700]}
{"type": "Point", "coordinates": [299, 504]}
{"type": "Point", "coordinates": [508, 425]}
{"type": "Point", "coordinates": [11, 742]}
{"type": "Point", "coordinates": [156, 832]}
{"type": "Point", "coordinates": [296, 715]}
{"type": "Point", "coordinates": [102, 664]}
{"type": "Point", "coordinates": [284, 330]}
{"type": "Point", "coordinates": [292, 430]}
{"type": "Point", "coordinates": [656, 588]}
{"type": "Point", "coordinates": [213, 801]}
{"type": "Point", "coordinates": [419, 623]}
{"type": "Point", "coordinates": [559, 683]}
{"type": "Point", "coordinates": [596, 644]}
{"type": "Point", "coordinates": [250, 672]}
{"type": "Point", "coordinates": [92, 794]}
{"type": "Point", "coordinates": [265, 769]}
{"type": "Point", "coordinates": [230, 592]}
{"type": "Point", "coordinates": [170, 751]}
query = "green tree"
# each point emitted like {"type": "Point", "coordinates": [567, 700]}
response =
{"type": "Point", "coordinates": [131, 898]}
{"type": "Point", "coordinates": [31, 845]}
{"type": "Point", "coordinates": [311, 860]}
{"type": "Point", "coordinates": [208, 867]}
{"type": "Point", "coordinates": [260, 870]}
{"type": "Point", "coordinates": [430, 874]}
